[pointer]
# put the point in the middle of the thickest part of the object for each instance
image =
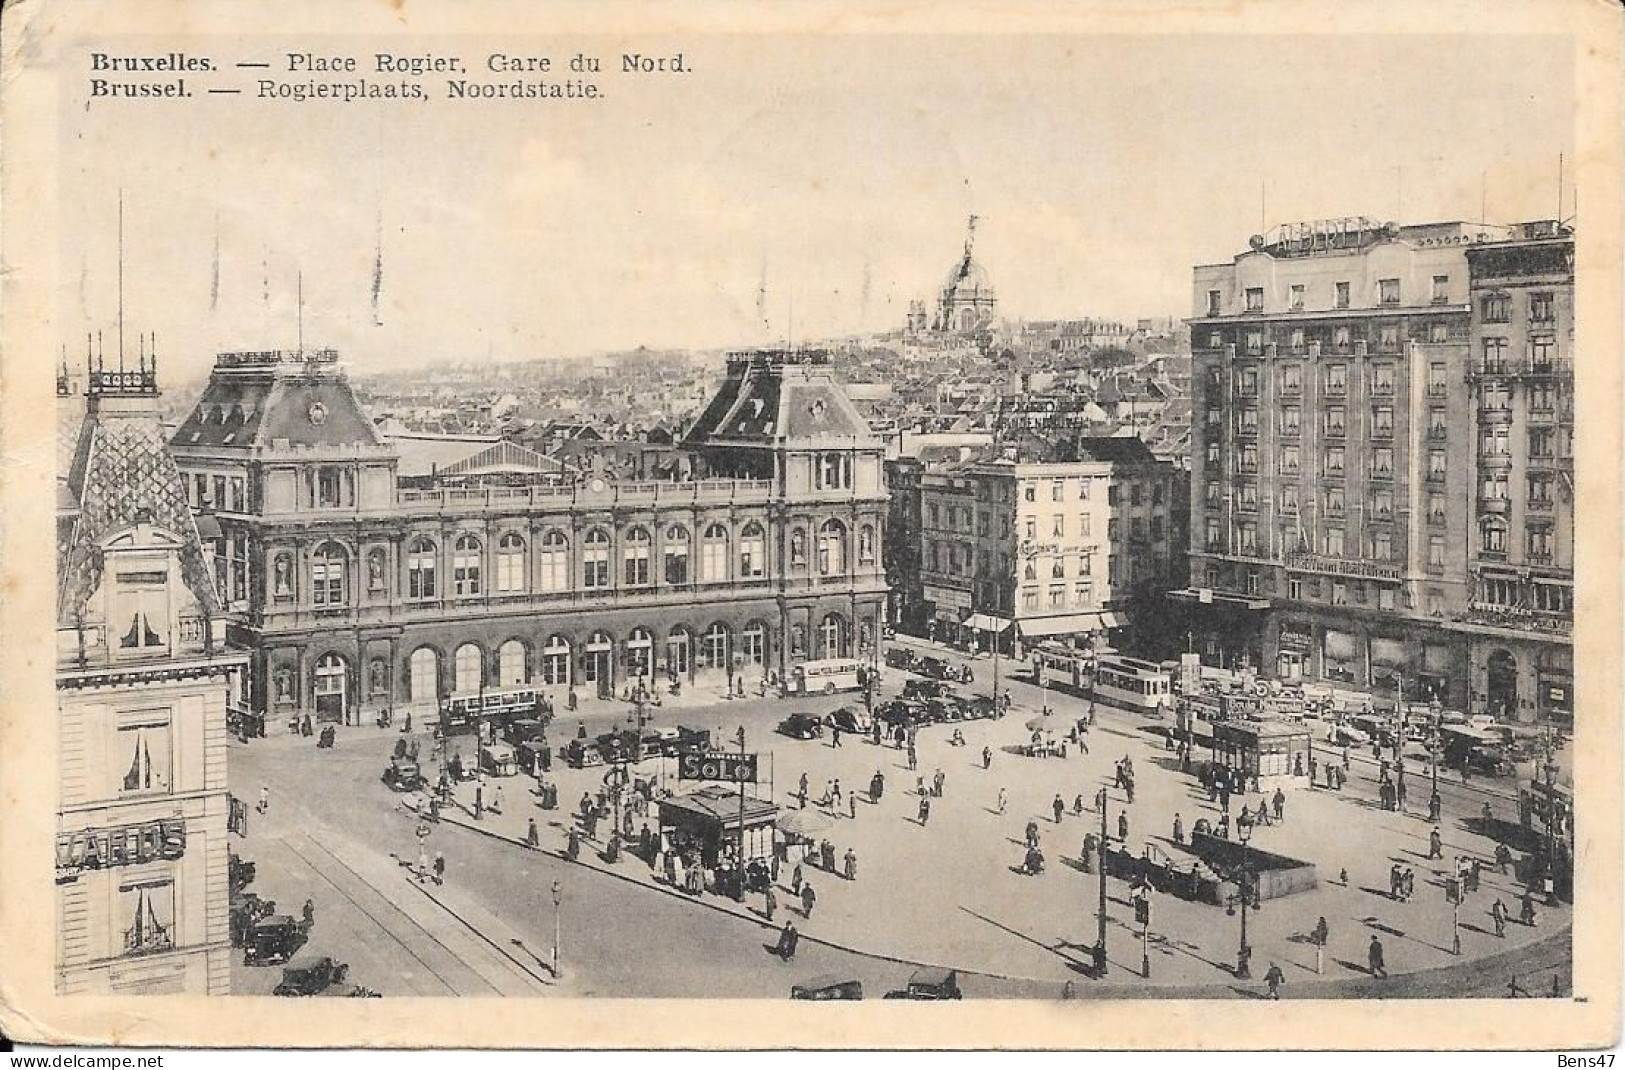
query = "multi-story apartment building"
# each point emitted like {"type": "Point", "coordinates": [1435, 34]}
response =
{"type": "Point", "coordinates": [1334, 468]}
{"type": "Point", "coordinates": [144, 678]}
{"type": "Point", "coordinates": [358, 595]}
{"type": "Point", "coordinates": [1029, 547]}
{"type": "Point", "coordinates": [1521, 544]}
{"type": "Point", "coordinates": [901, 546]}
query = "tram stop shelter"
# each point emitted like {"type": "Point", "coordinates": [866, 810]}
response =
{"type": "Point", "coordinates": [1271, 750]}
{"type": "Point", "coordinates": [710, 817]}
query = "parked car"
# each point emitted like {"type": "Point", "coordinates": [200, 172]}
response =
{"type": "Point", "coordinates": [801, 726]}
{"type": "Point", "coordinates": [901, 711]}
{"type": "Point", "coordinates": [938, 669]}
{"type": "Point", "coordinates": [930, 982]}
{"type": "Point", "coordinates": [920, 690]}
{"type": "Point", "coordinates": [900, 657]}
{"type": "Point", "coordinates": [828, 986]}
{"type": "Point", "coordinates": [499, 759]}
{"type": "Point", "coordinates": [403, 774]}
{"type": "Point", "coordinates": [523, 730]}
{"type": "Point", "coordinates": [311, 977]}
{"type": "Point", "coordinates": [848, 719]}
{"type": "Point", "coordinates": [272, 940]}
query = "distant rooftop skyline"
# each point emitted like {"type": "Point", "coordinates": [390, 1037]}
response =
{"type": "Point", "coordinates": [820, 170]}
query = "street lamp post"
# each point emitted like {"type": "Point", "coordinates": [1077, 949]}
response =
{"type": "Point", "coordinates": [739, 870]}
{"type": "Point", "coordinates": [558, 902]}
{"type": "Point", "coordinates": [1244, 953]}
{"type": "Point", "coordinates": [1100, 932]}
{"type": "Point", "coordinates": [1460, 887]}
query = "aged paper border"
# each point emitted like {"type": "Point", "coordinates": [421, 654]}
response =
{"type": "Point", "coordinates": [28, 137]}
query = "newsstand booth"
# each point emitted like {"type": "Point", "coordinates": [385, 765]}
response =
{"type": "Point", "coordinates": [708, 819]}
{"type": "Point", "coordinates": [1273, 751]}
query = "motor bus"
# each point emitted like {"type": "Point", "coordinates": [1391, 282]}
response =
{"type": "Point", "coordinates": [1130, 682]}
{"type": "Point", "coordinates": [825, 677]}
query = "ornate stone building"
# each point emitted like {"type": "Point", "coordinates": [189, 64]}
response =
{"type": "Point", "coordinates": [358, 595]}
{"type": "Point", "coordinates": [144, 679]}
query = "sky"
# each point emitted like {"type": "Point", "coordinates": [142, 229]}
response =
{"type": "Point", "coordinates": [835, 174]}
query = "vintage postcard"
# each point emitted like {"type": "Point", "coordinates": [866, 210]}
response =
{"type": "Point", "coordinates": [553, 520]}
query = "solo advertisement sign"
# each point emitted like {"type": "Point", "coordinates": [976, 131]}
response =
{"type": "Point", "coordinates": [122, 845]}
{"type": "Point", "coordinates": [734, 768]}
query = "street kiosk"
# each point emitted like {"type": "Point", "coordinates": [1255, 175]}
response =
{"type": "Point", "coordinates": [708, 819]}
{"type": "Point", "coordinates": [1271, 751]}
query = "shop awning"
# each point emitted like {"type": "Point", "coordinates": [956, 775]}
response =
{"type": "Point", "coordinates": [985, 623]}
{"type": "Point", "coordinates": [1113, 620]}
{"type": "Point", "coordinates": [1071, 624]}
{"type": "Point", "coordinates": [208, 528]}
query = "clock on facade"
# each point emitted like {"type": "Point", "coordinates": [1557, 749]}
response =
{"type": "Point", "coordinates": [317, 413]}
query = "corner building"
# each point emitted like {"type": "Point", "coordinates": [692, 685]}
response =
{"type": "Point", "coordinates": [1338, 445]}
{"type": "Point", "coordinates": [144, 682]}
{"type": "Point", "coordinates": [359, 595]}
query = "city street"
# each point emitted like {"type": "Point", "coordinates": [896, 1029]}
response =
{"type": "Point", "coordinates": [945, 892]}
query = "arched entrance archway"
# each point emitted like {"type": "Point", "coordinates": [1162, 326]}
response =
{"type": "Point", "coordinates": [511, 664]}
{"type": "Point", "coordinates": [470, 673]}
{"type": "Point", "coordinates": [425, 679]}
{"type": "Point", "coordinates": [1501, 685]}
{"type": "Point", "coordinates": [332, 688]}
{"type": "Point", "coordinates": [598, 664]}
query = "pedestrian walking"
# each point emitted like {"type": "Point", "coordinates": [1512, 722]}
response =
{"type": "Point", "coordinates": [788, 939]}
{"type": "Point", "coordinates": [1343, 877]}
{"type": "Point", "coordinates": [1077, 805]}
{"type": "Point", "coordinates": [913, 757]}
{"type": "Point", "coordinates": [1004, 799]}
{"type": "Point", "coordinates": [1122, 826]}
{"type": "Point", "coordinates": [1435, 845]}
{"type": "Point", "coordinates": [1526, 913]}
{"type": "Point", "coordinates": [439, 868]}
{"type": "Point", "coordinates": [1410, 883]}
{"type": "Point", "coordinates": [852, 806]}
{"type": "Point", "coordinates": [1374, 959]}
{"type": "Point", "coordinates": [808, 899]}
{"type": "Point", "coordinates": [1321, 933]}
{"type": "Point", "coordinates": [496, 800]}
{"type": "Point", "coordinates": [1032, 834]}
{"type": "Point", "coordinates": [1345, 758]}
{"type": "Point", "coordinates": [925, 809]}
{"type": "Point", "coordinates": [1399, 793]}
{"type": "Point", "coordinates": [532, 835]}
{"type": "Point", "coordinates": [850, 866]}
{"type": "Point", "coordinates": [835, 735]}
{"type": "Point", "coordinates": [1314, 767]}
{"type": "Point", "coordinates": [1128, 789]}
{"type": "Point", "coordinates": [770, 902]}
{"type": "Point", "coordinates": [265, 800]}
{"type": "Point", "coordinates": [1059, 807]}
{"type": "Point", "coordinates": [1273, 978]}
{"type": "Point", "coordinates": [987, 757]}
{"type": "Point", "coordinates": [877, 787]}
{"type": "Point", "coordinates": [1279, 803]}
{"type": "Point", "coordinates": [835, 795]}
{"type": "Point", "coordinates": [1489, 817]}
{"type": "Point", "coordinates": [1396, 881]}
{"type": "Point", "coordinates": [1179, 828]}
{"type": "Point", "coordinates": [801, 792]}
{"type": "Point", "coordinates": [1498, 914]}
{"type": "Point", "coordinates": [795, 880]}
{"type": "Point", "coordinates": [937, 780]}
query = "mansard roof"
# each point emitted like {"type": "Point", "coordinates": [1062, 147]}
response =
{"type": "Point", "coordinates": [782, 400]}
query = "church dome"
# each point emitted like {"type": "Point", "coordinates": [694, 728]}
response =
{"type": "Point", "coordinates": [967, 277]}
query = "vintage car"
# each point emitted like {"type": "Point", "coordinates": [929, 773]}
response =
{"type": "Point", "coordinates": [939, 669]}
{"type": "Point", "coordinates": [247, 911]}
{"type": "Point", "coordinates": [522, 730]}
{"type": "Point", "coordinates": [801, 726]}
{"type": "Point", "coordinates": [900, 657]}
{"type": "Point", "coordinates": [272, 940]}
{"type": "Point", "coordinates": [924, 689]}
{"type": "Point", "coordinates": [403, 774]}
{"type": "Point", "coordinates": [848, 719]}
{"type": "Point", "coordinates": [902, 711]}
{"type": "Point", "coordinates": [499, 759]}
{"type": "Point", "coordinates": [828, 986]}
{"type": "Point", "coordinates": [240, 872]}
{"type": "Point", "coordinates": [534, 756]}
{"type": "Point", "coordinates": [930, 982]}
{"type": "Point", "coordinates": [580, 753]}
{"type": "Point", "coordinates": [689, 739]}
{"type": "Point", "coordinates": [310, 977]}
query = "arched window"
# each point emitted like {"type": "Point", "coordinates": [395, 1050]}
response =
{"type": "Point", "coordinates": [832, 637]}
{"type": "Point", "coordinates": [866, 544]}
{"type": "Point", "coordinates": [556, 660]}
{"type": "Point", "coordinates": [635, 556]}
{"type": "Point", "coordinates": [678, 652]}
{"type": "Point", "coordinates": [676, 554]}
{"type": "Point", "coordinates": [1495, 537]}
{"type": "Point", "coordinates": [832, 548]}
{"type": "Point", "coordinates": [420, 568]}
{"type": "Point", "coordinates": [465, 567]}
{"type": "Point", "coordinates": [330, 683]}
{"type": "Point", "coordinates": [752, 552]}
{"type": "Point", "coordinates": [470, 673]}
{"type": "Point", "coordinates": [425, 668]}
{"type": "Point", "coordinates": [511, 664]}
{"type": "Point", "coordinates": [714, 647]}
{"type": "Point", "coordinates": [714, 554]}
{"type": "Point", "coordinates": [510, 563]}
{"type": "Point", "coordinates": [554, 562]}
{"type": "Point", "coordinates": [753, 644]}
{"type": "Point", "coordinates": [595, 559]}
{"type": "Point", "coordinates": [327, 568]}
{"type": "Point", "coordinates": [640, 654]}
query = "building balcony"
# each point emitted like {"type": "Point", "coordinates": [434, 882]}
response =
{"type": "Point", "coordinates": [1496, 415]}
{"type": "Point", "coordinates": [1438, 434]}
{"type": "Point", "coordinates": [1539, 505]}
{"type": "Point", "coordinates": [1494, 460]}
{"type": "Point", "coordinates": [1522, 618]}
{"type": "Point", "coordinates": [1321, 564]}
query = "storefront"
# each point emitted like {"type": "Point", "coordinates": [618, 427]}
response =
{"type": "Point", "coordinates": [1293, 655]}
{"type": "Point", "coordinates": [708, 822]}
{"type": "Point", "coordinates": [1341, 659]}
